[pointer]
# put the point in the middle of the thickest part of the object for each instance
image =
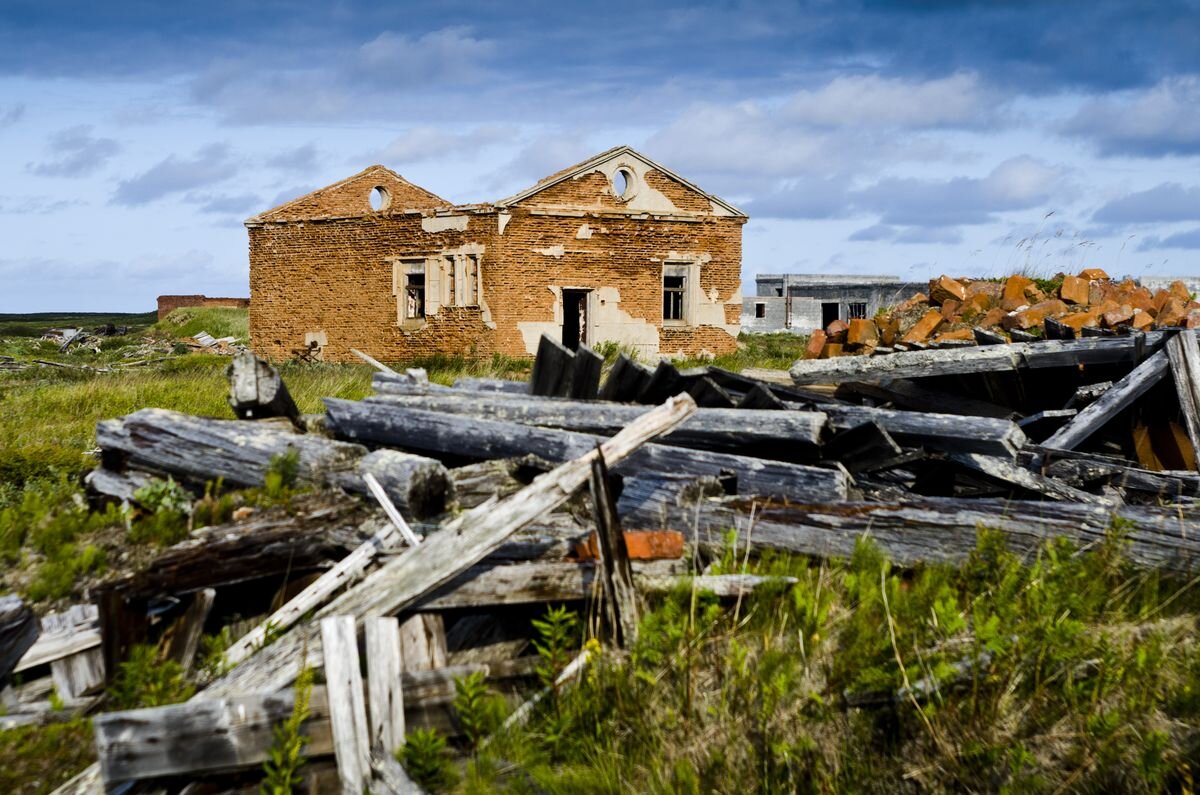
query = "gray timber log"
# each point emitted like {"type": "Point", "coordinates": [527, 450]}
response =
{"type": "Point", "coordinates": [1089, 469]}
{"type": "Point", "coordinates": [120, 486]}
{"type": "Point", "coordinates": [1124, 392]}
{"type": "Point", "coordinates": [912, 531]}
{"type": "Point", "coordinates": [1184, 353]}
{"type": "Point", "coordinates": [913, 396]}
{"type": "Point", "coordinates": [257, 391]}
{"type": "Point", "coordinates": [440, 433]}
{"type": "Point", "coordinates": [761, 432]}
{"type": "Point", "coordinates": [18, 632]}
{"type": "Point", "coordinates": [942, 432]}
{"type": "Point", "coordinates": [198, 450]}
{"type": "Point", "coordinates": [207, 735]}
{"type": "Point", "coordinates": [418, 486]}
{"type": "Point", "coordinates": [458, 545]}
{"type": "Point", "coordinates": [983, 359]}
{"type": "Point", "coordinates": [492, 385]}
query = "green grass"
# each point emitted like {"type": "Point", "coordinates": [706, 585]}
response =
{"type": "Point", "coordinates": [36, 324]}
{"type": "Point", "coordinates": [1067, 672]}
{"type": "Point", "coordinates": [217, 321]}
{"type": "Point", "coordinates": [35, 760]}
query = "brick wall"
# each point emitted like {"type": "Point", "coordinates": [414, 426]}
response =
{"type": "Point", "coordinates": [334, 276]}
{"type": "Point", "coordinates": [169, 303]}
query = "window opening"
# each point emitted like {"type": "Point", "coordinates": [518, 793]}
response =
{"type": "Point", "coordinates": [414, 291]}
{"type": "Point", "coordinates": [760, 310]}
{"type": "Point", "coordinates": [674, 291]}
{"type": "Point", "coordinates": [379, 198]}
{"type": "Point", "coordinates": [856, 311]}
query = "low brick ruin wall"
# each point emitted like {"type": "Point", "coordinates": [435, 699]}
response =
{"type": "Point", "coordinates": [169, 303]}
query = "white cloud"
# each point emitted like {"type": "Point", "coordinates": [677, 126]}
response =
{"type": "Point", "coordinates": [959, 100]}
{"type": "Point", "coordinates": [1155, 122]}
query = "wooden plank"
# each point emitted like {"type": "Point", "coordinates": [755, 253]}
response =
{"type": "Point", "coordinates": [346, 572]}
{"type": "Point", "coordinates": [862, 447]}
{"type": "Point", "coordinates": [257, 391]}
{"type": "Point", "coordinates": [384, 691]}
{"type": "Point", "coordinates": [423, 642]}
{"type": "Point", "coordinates": [183, 639]}
{"type": "Point", "coordinates": [665, 382]}
{"type": "Point", "coordinates": [626, 380]}
{"type": "Point", "coordinates": [389, 777]}
{"type": "Point", "coordinates": [1184, 354]}
{"type": "Point", "coordinates": [79, 675]}
{"type": "Point", "coordinates": [380, 366]}
{"type": "Point", "coordinates": [1089, 469]}
{"type": "Point", "coordinates": [793, 435]}
{"type": "Point", "coordinates": [941, 432]}
{"type": "Point", "coordinates": [585, 380]}
{"type": "Point", "coordinates": [1124, 392]}
{"type": "Point", "coordinates": [759, 397]}
{"type": "Point", "coordinates": [347, 709]}
{"type": "Point", "coordinates": [386, 422]}
{"type": "Point", "coordinates": [471, 384]}
{"type": "Point", "coordinates": [980, 359]}
{"type": "Point", "coordinates": [460, 544]}
{"type": "Point", "coordinates": [1010, 473]}
{"type": "Point", "coordinates": [911, 395]}
{"type": "Point", "coordinates": [19, 629]}
{"type": "Point", "coordinates": [709, 395]}
{"type": "Point", "coordinates": [119, 486]}
{"type": "Point", "coordinates": [553, 369]}
{"type": "Point", "coordinates": [389, 508]}
{"type": "Point", "coordinates": [617, 577]}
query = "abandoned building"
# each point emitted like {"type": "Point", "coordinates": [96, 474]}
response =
{"type": "Point", "coordinates": [615, 248]}
{"type": "Point", "coordinates": [169, 303]}
{"type": "Point", "coordinates": [801, 302]}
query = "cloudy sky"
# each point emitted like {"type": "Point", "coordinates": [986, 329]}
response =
{"type": "Point", "coordinates": [862, 137]}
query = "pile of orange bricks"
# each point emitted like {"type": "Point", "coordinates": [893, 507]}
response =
{"type": "Point", "coordinates": [958, 311]}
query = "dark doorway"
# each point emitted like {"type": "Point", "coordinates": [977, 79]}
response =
{"type": "Point", "coordinates": [575, 320]}
{"type": "Point", "coordinates": [829, 313]}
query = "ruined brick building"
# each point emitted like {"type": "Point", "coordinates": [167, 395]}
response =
{"type": "Point", "coordinates": [614, 248]}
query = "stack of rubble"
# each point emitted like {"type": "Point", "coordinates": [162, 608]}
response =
{"type": "Point", "coordinates": [497, 498]}
{"type": "Point", "coordinates": [959, 312]}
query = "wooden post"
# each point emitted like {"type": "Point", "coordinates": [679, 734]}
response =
{"type": "Point", "coordinates": [619, 592]}
{"type": "Point", "coordinates": [384, 666]}
{"type": "Point", "coordinates": [1184, 353]}
{"type": "Point", "coordinates": [347, 710]}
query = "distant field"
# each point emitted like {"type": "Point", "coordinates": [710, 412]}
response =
{"type": "Point", "coordinates": [36, 323]}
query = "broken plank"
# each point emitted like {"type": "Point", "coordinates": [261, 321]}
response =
{"type": "Point", "coordinates": [943, 432]}
{"type": "Point", "coordinates": [862, 447]}
{"type": "Point", "coordinates": [492, 385]}
{"type": "Point", "coordinates": [980, 359]}
{"type": "Point", "coordinates": [62, 635]}
{"type": "Point", "coordinates": [183, 638]}
{"type": "Point", "coordinates": [378, 365]}
{"type": "Point", "coordinates": [911, 395]}
{"type": "Point", "coordinates": [384, 690]}
{"type": "Point", "coordinates": [626, 380]}
{"type": "Point", "coordinates": [1124, 392]}
{"type": "Point", "coordinates": [458, 545]}
{"type": "Point", "coordinates": [347, 708]}
{"type": "Point", "coordinates": [617, 578]}
{"type": "Point", "coordinates": [1184, 354]}
{"type": "Point", "coordinates": [1013, 475]}
{"type": "Point", "coordinates": [585, 380]}
{"type": "Point", "coordinates": [1090, 469]}
{"type": "Point", "coordinates": [19, 629]}
{"type": "Point", "coordinates": [553, 369]}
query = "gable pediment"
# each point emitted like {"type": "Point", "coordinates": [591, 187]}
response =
{"type": "Point", "coordinates": [352, 198]}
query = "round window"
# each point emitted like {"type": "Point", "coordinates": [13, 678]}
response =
{"type": "Point", "coordinates": [622, 183]}
{"type": "Point", "coordinates": [380, 198]}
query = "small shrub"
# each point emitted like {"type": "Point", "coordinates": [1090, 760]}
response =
{"type": "Point", "coordinates": [427, 759]}
{"type": "Point", "coordinates": [144, 680]}
{"type": "Point", "coordinates": [212, 663]}
{"type": "Point", "coordinates": [286, 754]}
{"type": "Point", "coordinates": [557, 644]}
{"type": "Point", "coordinates": [480, 711]}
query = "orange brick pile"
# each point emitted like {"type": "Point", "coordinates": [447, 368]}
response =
{"type": "Point", "coordinates": [1016, 308]}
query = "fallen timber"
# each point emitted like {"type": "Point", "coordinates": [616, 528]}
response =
{"type": "Point", "coordinates": [913, 531]}
{"type": "Point", "coordinates": [1088, 470]}
{"type": "Point", "coordinates": [984, 359]}
{"type": "Point", "coordinates": [792, 435]}
{"type": "Point", "coordinates": [18, 632]}
{"type": "Point", "coordinates": [434, 432]}
{"type": "Point", "coordinates": [755, 431]}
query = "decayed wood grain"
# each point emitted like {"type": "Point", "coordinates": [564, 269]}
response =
{"type": "Point", "coordinates": [418, 486]}
{"type": "Point", "coordinates": [257, 391]}
{"type": "Point", "coordinates": [984, 359]}
{"type": "Point", "coordinates": [942, 432]}
{"type": "Point", "coordinates": [347, 708]}
{"type": "Point", "coordinates": [439, 433]}
{"type": "Point", "coordinates": [1008, 472]}
{"type": "Point", "coordinates": [917, 530]}
{"type": "Point", "coordinates": [459, 545]}
{"type": "Point", "coordinates": [1089, 469]}
{"type": "Point", "coordinates": [198, 449]}
{"type": "Point", "coordinates": [1184, 354]}
{"type": "Point", "coordinates": [183, 639]}
{"type": "Point", "coordinates": [384, 690]}
{"type": "Point", "coordinates": [789, 436]}
{"type": "Point", "coordinates": [62, 635]}
{"type": "Point", "coordinates": [1122, 394]}
{"type": "Point", "coordinates": [620, 596]}
{"type": "Point", "coordinates": [423, 642]}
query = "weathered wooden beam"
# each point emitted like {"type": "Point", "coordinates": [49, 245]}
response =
{"type": "Point", "coordinates": [423, 642]}
{"type": "Point", "coordinates": [119, 486]}
{"type": "Point", "coordinates": [384, 690]}
{"type": "Point", "coordinates": [585, 380]}
{"type": "Point", "coordinates": [793, 435]}
{"type": "Point", "coordinates": [62, 635]}
{"type": "Point", "coordinates": [257, 391]}
{"type": "Point", "coordinates": [1122, 395]}
{"type": "Point", "coordinates": [620, 595]}
{"type": "Point", "coordinates": [916, 530]}
{"type": "Point", "coordinates": [470, 384]}
{"type": "Point", "coordinates": [861, 447]}
{"type": "Point", "coordinates": [183, 638]}
{"type": "Point", "coordinates": [664, 382]}
{"type": "Point", "coordinates": [553, 369]}
{"type": "Point", "coordinates": [378, 365]}
{"type": "Point", "coordinates": [78, 675]}
{"type": "Point", "coordinates": [941, 432]}
{"type": "Point", "coordinates": [1184, 354]}
{"type": "Point", "coordinates": [913, 396]}
{"type": "Point", "coordinates": [626, 380]}
{"type": "Point", "coordinates": [982, 359]}
{"type": "Point", "coordinates": [388, 777]}
{"type": "Point", "coordinates": [18, 632]}
{"type": "Point", "coordinates": [347, 708]}
{"type": "Point", "coordinates": [1089, 469]}
{"type": "Point", "coordinates": [198, 449]}
{"type": "Point", "coordinates": [460, 544]}
{"type": "Point", "coordinates": [1013, 475]}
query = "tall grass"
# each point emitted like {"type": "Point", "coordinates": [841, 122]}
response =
{"type": "Point", "coordinates": [217, 321]}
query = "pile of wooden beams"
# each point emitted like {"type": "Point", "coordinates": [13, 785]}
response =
{"type": "Point", "coordinates": [444, 518]}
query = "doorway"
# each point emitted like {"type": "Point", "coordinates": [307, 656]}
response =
{"type": "Point", "coordinates": [575, 319]}
{"type": "Point", "coordinates": [829, 313]}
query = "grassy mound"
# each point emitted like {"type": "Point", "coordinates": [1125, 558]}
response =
{"type": "Point", "coordinates": [217, 321]}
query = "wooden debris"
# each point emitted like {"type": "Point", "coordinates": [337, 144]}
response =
{"type": "Point", "coordinates": [1123, 393]}
{"type": "Point", "coordinates": [347, 708]}
{"type": "Point", "coordinates": [1184, 354]}
{"type": "Point", "coordinates": [18, 632]}
{"type": "Point", "coordinates": [256, 390]}
{"type": "Point", "coordinates": [617, 578]}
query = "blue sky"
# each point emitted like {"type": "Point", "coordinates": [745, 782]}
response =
{"type": "Point", "coordinates": [872, 137]}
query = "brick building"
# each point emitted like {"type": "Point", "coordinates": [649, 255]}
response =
{"type": "Point", "coordinates": [614, 248]}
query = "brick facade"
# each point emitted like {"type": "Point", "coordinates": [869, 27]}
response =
{"type": "Point", "coordinates": [169, 303]}
{"type": "Point", "coordinates": [329, 271]}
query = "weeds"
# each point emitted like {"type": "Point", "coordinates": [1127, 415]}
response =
{"type": "Point", "coordinates": [480, 711]}
{"type": "Point", "coordinates": [144, 680]}
{"type": "Point", "coordinates": [285, 756]}
{"type": "Point", "coordinates": [427, 759]}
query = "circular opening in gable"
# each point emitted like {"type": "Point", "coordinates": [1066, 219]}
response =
{"type": "Point", "coordinates": [380, 198]}
{"type": "Point", "coordinates": [622, 183]}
